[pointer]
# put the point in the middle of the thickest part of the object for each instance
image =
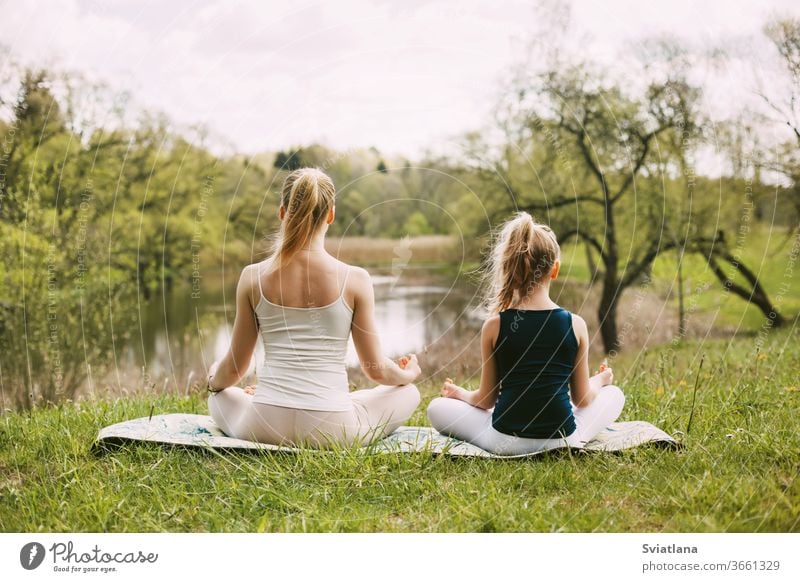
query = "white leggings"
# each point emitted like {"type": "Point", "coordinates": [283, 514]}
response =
{"type": "Point", "coordinates": [458, 419]}
{"type": "Point", "coordinates": [376, 412]}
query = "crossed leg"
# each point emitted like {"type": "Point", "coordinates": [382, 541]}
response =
{"type": "Point", "coordinates": [458, 419]}
{"type": "Point", "coordinates": [376, 413]}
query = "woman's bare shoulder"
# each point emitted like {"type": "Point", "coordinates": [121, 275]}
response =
{"type": "Point", "coordinates": [249, 281]}
{"type": "Point", "coordinates": [358, 284]}
{"type": "Point", "coordinates": [250, 273]}
{"type": "Point", "coordinates": [353, 273]}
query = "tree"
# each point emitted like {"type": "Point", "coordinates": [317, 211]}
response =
{"type": "Point", "coordinates": [62, 302]}
{"type": "Point", "coordinates": [36, 120]}
{"type": "Point", "coordinates": [289, 160]}
{"type": "Point", "coordinates": [417, 225]}
{"type": "Point", "coordinates": [593, 160]}
{"type": "Point", "coordinates": [585, 152]}
{"type": "Point", "coordinates": [785, 36]}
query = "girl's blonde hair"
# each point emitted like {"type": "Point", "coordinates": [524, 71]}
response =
{"type": "Point", "coordinates": [307, 197]}
{"type": "Point", "coordinates": [523, 255]}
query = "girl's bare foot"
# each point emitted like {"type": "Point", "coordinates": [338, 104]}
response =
{"type": "Point", "coordinates": [605, 376]}
{"type": "Point", "coordinates": [450, 390]}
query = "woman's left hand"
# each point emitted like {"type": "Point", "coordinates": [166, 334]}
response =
{"type": "Point", "coordinates": [212, 369]}
{"type": "Point", "coordinates": [249, 390]}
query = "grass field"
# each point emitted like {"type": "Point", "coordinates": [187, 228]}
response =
{"type": "Point", "coordinates": [738, 470]}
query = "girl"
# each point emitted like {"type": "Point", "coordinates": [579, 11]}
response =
{"type": "Point", "coordinates": [535, 356]}
{"type": "Point", "coordinates": [305, 304]}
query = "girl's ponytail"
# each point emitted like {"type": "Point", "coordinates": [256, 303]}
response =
{"type": "Point", "coordinates": [523, 255]}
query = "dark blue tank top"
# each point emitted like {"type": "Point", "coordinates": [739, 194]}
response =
{"type": "Point", "coordinates": [535, 354]}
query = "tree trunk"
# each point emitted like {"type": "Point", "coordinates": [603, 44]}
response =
{"type": "Point", "coordinates": [607, 315]}
{"type": "Point", "coordinates": [681, 307]}
{"type": "Point", "coordinates": [591, 264]}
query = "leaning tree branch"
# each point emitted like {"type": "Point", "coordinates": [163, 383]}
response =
{"type": "Point", "coordinates": [656, 248]}
{"type": "Point", "coordinates": [756, 295]}
{"type": "Point", "coordinates": [559, 203]}
{"type": "Point", "coordinates": [638, 268]}
{"type": "Point", "coordinates": [726, 281]}
{"type": "Point", "coordinates": [751, 277]}
{"type": "Point", "coordinates": [569, 234]}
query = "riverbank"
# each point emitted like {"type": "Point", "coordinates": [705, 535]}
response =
{"type": "Point", "coordinates": [440, 251]}
{"type": "Point", "coordinates": [738, 471]}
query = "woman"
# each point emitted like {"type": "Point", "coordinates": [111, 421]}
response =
{"type": "Point", "coordinates": [305, 304]}
{"type": "Point", "coordinates": [535, 391]}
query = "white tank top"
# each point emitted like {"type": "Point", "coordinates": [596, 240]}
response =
{"type": "Point", "coordinates": [304, 355]}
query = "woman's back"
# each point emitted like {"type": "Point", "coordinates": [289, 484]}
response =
{"type": "Point", "coordinates": [312, 279]}
{"type": "Point", "coordinates": [535, 353]}
{"type": "Point", "coordinates": [305, 305]}
{"type": "Point", "coordinates": [304, 320]}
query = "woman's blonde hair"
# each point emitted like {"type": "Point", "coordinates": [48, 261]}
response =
{"type": "Point", "coordinates": [522, 256]}
{"type": "Point", "coordinates": [307, 197]}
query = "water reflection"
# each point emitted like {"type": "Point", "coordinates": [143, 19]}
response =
{"type": "Point", "coordinates": [181, 335]}
{"type": "Point", "coordinates": [414, 317]}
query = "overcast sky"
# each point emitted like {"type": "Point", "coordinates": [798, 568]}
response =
{"type": "Point", "coordinates": [401, 75]}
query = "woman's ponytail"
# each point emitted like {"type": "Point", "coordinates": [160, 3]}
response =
{"type": "Point", "coordinates": [307, 197]}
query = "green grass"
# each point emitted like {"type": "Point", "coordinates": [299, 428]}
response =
{"type": "Point", "coordinates": [737, 472]}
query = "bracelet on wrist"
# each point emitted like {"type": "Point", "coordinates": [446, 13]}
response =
{"type": "Point", "coordinates": [209, 388]}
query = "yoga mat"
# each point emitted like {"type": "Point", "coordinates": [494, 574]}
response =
{"type": "Point", "coordinates": [197, 430]}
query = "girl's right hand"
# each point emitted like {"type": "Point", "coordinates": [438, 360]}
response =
{"type": "Point", "coordinates": [605, 375]}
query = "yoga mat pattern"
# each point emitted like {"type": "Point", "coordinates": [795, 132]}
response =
{"type": "Point", "coordinates": [197, 430]}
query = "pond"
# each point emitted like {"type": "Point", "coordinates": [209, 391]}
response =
{"type": "Point", "coordinates": [182, 332]}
